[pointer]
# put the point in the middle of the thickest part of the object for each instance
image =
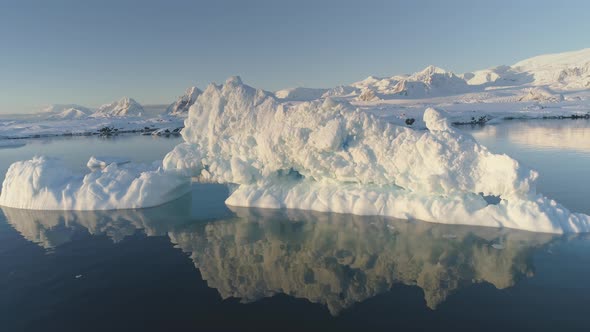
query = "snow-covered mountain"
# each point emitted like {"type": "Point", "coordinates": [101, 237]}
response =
{"type": "Point", "coordinates": [430, 82]}
{"type": "Point", "coordinates": [300, 94]}
{"type": "Point", "coordinates": [564, 71]}
{"type": "Point", "coordinates": [59, 108]}
{"type": "Point", "coordinates": [552, 72]}
{"type": "Point", "coordinates": [124, 107]}
{"type": "Point", "coordinates": [559, 71]}
{"type": "Point", "coordinates": [70, 114]}
{"type": "Point", "coordinates": [184, 102]}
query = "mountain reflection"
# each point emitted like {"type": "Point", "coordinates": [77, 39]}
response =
{"type": "Point", "coordinates": [563, 135]}
{"type": "Point", "coordinates": [333, 259]}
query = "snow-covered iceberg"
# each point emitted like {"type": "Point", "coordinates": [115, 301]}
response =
{"type": "Point", "coordinates": [319, 155]}
{"type": "Point", "coordinates": [47, 184]}
{"type": "Point", "coordinates": [328, 156]}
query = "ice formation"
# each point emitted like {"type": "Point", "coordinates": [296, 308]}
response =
{"type": "Point", "coordinates": [46, 184]}
{"type": "Point", "coordinates": [328, 156]}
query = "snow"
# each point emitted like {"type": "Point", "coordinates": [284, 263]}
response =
{"type": "Point", "coordinates": [328, 156]}
{"type": "Point", "coordinates": [184, 102]}
{"type": "Point", "coordinates": [46, 184]}
{"type": "Point", "coordinates": [123, 107]}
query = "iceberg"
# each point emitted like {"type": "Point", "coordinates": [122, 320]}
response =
{"type": "Point", "coordinates": [100, 162]}
{"type": "Point", "coordinates": [46, 184]}
{"type": "Point", "coordinates": [321, 155]}
{"type": "Point", "coordinates": [328, 156]}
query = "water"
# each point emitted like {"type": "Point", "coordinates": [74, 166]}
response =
{"type": "Point", "coordinates": [195, 264]}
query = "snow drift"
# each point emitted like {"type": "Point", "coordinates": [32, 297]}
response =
{"type": "Point", "coordinates": [327, 156]}
{"type": "Point", "coordinates": [46, 184]}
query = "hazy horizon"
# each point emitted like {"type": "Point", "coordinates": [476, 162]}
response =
{"type": "Point", "coordinates": [94, 53]}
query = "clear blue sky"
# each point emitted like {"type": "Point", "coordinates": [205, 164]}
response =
{"type": "Point", "coordinates": [92, 52]}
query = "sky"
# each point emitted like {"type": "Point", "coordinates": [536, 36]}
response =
{"type": "Point", "coordinates": [94, 52]}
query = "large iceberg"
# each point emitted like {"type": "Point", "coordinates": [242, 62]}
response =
{"type": "Point", "coordinates": [328, 156]}
{"type": "Point", "coordinates": [47, 184]}
{"type": "Point", "coordinates": [319, 155]}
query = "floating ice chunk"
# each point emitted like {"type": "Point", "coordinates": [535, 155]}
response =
{"type": "Point", "coordinates": [97, 162]}
{"type": "Point", "coordinates": [328, 156]}
{"type": "Point", "coordinates": [46, 184]}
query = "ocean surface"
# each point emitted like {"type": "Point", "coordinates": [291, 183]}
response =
{"type": "Point", "coordinates": [197, 265]}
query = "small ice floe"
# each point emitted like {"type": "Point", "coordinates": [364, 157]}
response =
{"type": "Point", "coordinates": [449, 236]}
{"type": "Point", "coordinates": [101, 162]}
{"type": "Point", "coordinates": [78, 276]}
{"type": "Point", "coordinates": [498, 246]}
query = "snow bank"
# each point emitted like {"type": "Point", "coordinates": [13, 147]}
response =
{"type": "Point", "coordinates": [327, 156]}
{"type": "Point", "coordinates": [46, 184]}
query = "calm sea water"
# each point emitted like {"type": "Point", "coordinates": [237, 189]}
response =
{"type": "Point", "coordinates": [195, 264]}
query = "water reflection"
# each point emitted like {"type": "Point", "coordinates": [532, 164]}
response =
{"type": "Point", "coordinates": [333, 259]}
{"type": "Point", "coordinates": [571, 135]}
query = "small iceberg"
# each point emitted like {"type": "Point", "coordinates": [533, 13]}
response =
{"type": "Point", "coordinates": [46, 184]}
{"type": "Point", "coordinates": [101, 162]}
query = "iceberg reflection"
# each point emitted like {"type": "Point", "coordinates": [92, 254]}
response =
{"type": "Point", "coordinates": [333, 259]}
